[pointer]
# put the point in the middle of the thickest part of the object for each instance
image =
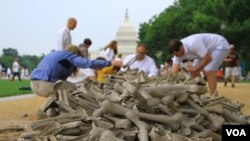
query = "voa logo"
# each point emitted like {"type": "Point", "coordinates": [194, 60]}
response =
{"type": "Point", "coordinates": [236, 132]}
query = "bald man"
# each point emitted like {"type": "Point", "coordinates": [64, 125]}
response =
{"type": "Point", "coordinates": [142, 62]}
{"type": "Point", "coordinates": [64, 37]}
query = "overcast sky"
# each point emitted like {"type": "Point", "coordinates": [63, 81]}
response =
{"type": "Point", "coordinates": [31, 26]}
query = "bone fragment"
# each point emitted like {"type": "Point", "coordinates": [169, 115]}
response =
{"type": "Point", "coordinates": [173, 121]}
{"type": "Point", "coordinates": [143, 133]}
{"type": "Point", "coordinates": [109, 136]}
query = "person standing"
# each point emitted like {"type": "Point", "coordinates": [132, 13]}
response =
{"type": "Point", "coordinates": [110, 51]}
{"type": "Point", "coordinates": [15, 69]}
{"type": "Point", "coordinates": [85, 46]}
{"type": "Point", "coordinates": [8, 73]}
{"type": "Point", "coordinates": [208, 50]}
{"type": "Point", "coordinates": [64, 36]}
{"type": "Point", "coordinates": [232, 66]}
{"type": "Point", "coordinates": [141, 61]}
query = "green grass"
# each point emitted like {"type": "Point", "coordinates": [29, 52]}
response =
{"type": "Point", "coordinates": [11, 88]}
{"type": "Point", "coordinates": [245, 81]}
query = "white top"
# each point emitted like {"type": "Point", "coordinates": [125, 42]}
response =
{"type": "Point", "coordinates": [8, 71]}
{"type": "Point", "coordinates": [63, 38]}
{"type": "Point", "coordinates": [108, 54]}
{"type": "Point", "coordinates": [147, 65]}
{"type": "Point", "coordinates": [197, 46]}
{"type": "Point", "coordinates": [82, 74]}
{"type": "Point", "coordinates": [15, 67]}
{"type": "Point", "coordinates": [26, 73]}
{"type": "Point", "coordinates": [22, 73]}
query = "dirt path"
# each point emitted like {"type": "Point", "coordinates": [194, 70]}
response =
{"type": "Point", "coordinates": [22, 112]}
{"type": "Point", "coordinates": [240, 93]}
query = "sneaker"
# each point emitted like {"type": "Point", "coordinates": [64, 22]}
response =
{"type": "Point", "coordinates": [215, 94]}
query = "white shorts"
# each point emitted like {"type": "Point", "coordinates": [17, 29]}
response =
{"type": "Point", "coordinates": [218, 57]}
{"type": "Point", "coordinates": [231, 71]}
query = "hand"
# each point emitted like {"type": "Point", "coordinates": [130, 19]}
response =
{"type": "Point", "coordinates": [117, 63]}
{"type": "Point", "coordinates": [190, 68]}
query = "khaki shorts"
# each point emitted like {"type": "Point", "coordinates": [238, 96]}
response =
{"type": "Point", "coordinates": [43, 88]}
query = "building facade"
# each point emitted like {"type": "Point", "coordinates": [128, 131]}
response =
{"type": "Point", "coordinates": [126, 38]}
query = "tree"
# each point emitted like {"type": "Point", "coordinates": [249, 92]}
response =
{"type": "Point", "coordinates": [10, 52]}
{"type": "Point", "coordinates": [30, 61]}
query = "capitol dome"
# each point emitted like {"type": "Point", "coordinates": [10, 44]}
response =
{"type": "Point", "coordinates": [126, 37]}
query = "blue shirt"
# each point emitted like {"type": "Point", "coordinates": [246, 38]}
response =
{"type": "Point", "coordinates": [60, 65]}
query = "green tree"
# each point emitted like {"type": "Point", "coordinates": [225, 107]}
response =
{"type": "Point", "coordinates": [30, 61]}
{"type": "Point", "coordinates": [10, 52]}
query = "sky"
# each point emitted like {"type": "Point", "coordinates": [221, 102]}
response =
{"type": "Point", "coordinates": [31, 26]}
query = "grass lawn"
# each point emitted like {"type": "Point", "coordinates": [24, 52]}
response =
{"type": "Point", "coordinates": [11, 88]}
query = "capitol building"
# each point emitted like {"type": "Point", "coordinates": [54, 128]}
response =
{"type": "Point", "coordinates": [126, 38]}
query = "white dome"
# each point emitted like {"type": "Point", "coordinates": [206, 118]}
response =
{"type": "Point", "coordinates": [126, 31]}
{"type": "Point", "coordinates": [126, 37]}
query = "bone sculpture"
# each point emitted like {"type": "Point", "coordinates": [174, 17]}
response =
{"type": "Point", "coordinates": [209, 133]}
{"type": "Point", "coordinates": [151, 101]}
{"type": "Point", "coordinates": [113, 108]}
{"type": "Point", "coordinates": [109, 136]}
{"type": "Point", "coordinates": [186, 123]}
{"type": "Point", "coordinates": [163, 90]}
{"type": "Point", "coordinates": [234, 117]}
{"type": "Point", "coordinates": [159, 134]}
{"type": "Point", "coordinates": [143, 133]}
{"type": "Point", "coordinates": [118, 111]}
{"type": "Point", "coordinates": [216, 124]}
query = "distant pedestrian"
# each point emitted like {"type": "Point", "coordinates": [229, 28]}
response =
{"type": "Point", "coordinates": [26, 72]}
{"type": "Point", "coordinates": [232, 66]}
{"type": "Point", "coordinates": [64, 36]}
{"type": "Point", "coordinates": [8, 73]}
{"type": "Point", "coordinates": [85, 46]}
{"type": "Point", "coordinates": [15, 69]}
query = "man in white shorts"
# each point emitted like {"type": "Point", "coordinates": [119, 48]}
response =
{"type": "Point", "coordinates": [208, 51]}
{"type": "Point", "coordinates": [232, 66]}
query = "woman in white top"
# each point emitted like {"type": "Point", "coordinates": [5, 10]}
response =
{"type": "Point", "coordinates": [110, 51]}
{"type": "Point", "coordinates": [208, 51]}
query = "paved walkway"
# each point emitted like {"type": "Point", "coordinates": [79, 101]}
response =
{"type": "Point", "coordinates": [11, 98]}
